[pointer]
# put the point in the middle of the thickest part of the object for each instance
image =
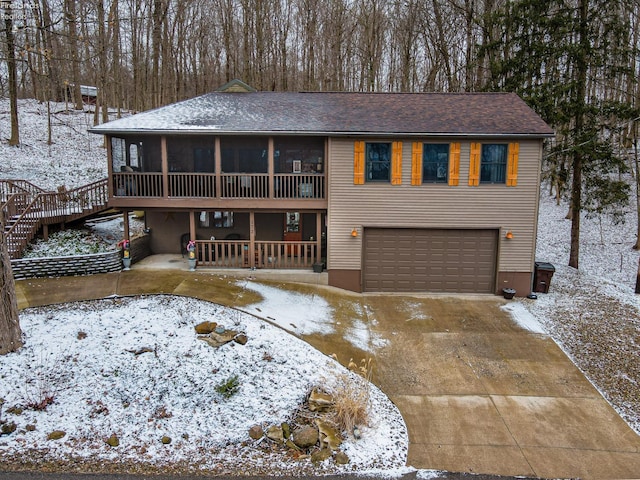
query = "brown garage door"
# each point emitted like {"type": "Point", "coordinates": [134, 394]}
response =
{"type": "Point", "coordinates": [429, 260]}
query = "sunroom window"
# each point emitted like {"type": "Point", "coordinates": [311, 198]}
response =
{"type": "Point", "coordinates": [244, 154]}
{"type": "Point", "coordinates": [493, 163]}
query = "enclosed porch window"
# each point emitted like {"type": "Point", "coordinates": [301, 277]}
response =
{"type": "Point", "coordinates": [299, 155]}
{"type": "Point", "coordinates": [244, 154]}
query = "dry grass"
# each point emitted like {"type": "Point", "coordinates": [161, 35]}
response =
{"type": "Point", "coordinates": [351, 397]}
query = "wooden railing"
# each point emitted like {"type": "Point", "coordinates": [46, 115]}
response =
{"type": "Point", "coordinates": [25, 213]}
{"type": "Point", "coordinates": [135, 184]}
{"type": "Point", "coordinates": [232, 185]}
{"type": "Point", "coordinates": [11, 187]}
{"type": "Point", "coordinates": [299, 186]}
{"type": "Point", "coordinates": [201, 185]}
{"type": "Point", "coordinates": [245, 185]}
{"type": "Point", "coordinates": [266, 254]}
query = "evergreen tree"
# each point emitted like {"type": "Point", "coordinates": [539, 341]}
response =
{"type": "Point", "coordinates": [566, 59]}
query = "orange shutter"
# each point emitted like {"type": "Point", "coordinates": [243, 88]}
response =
{"type": "Point", "coordinates": [416, 164]}
{"type": "Point", "coordinates": [512, 164]}
{"type": "Point", "coordinates": [358, 163]}
{"type": "Point", "coordinates": [396, 163]}
{"type": "Point", "coordinates": [474, 165]}
{"type": "Point", "coordinates": [454, 164]}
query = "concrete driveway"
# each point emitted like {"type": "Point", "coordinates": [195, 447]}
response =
{"type": "Point", "coordinates": [478, 393]}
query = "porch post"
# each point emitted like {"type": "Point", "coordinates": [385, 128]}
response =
{"type": "Point", "coordinates": [107, 139]}
{"type": "Point", "coordinates": [318, 237]}
{"type": "Point", "coordinates": [217, 161]}
{"type": "Point", "coordinates": [192, 225]}
{"type": "Point", "coordinates": [252, 239]}
{"type": "Point", "coordinates": [271, 168]}
{"type": "Point", "coordinates": [125, 222]}
{"type": "Point", "coordinates": [165, 166]}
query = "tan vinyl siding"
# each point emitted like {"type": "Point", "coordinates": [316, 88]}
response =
{"type": "Point", "coordinates": [432, 205]}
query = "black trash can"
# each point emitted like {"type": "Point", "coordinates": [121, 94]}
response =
{"type": "Point", "coordinates": [542, 276]}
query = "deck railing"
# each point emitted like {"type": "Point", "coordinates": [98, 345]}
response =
{"type": "Point", "coordinates": [266, 254]}
{"type": "Point", "coordinates": [232, 185]}
{"type": "Point", "coordinates": [299, 186]}
{"type": "Point", "coordinates": [25, 213]}
{"type": "Point", "coordinates": [201, 185]}
{"type": "Point", "coordinates": [135, 184]}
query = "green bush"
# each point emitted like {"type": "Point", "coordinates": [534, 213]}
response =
{"type": "Point", "coordinates": [229, 387]}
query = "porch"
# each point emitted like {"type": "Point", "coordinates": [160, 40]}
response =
{"type": "Point", "coordinates": [279, 255]}
{"type": "Point", "coordinates": [172, 261]}
{"type": "Point", "coordinates": [219, 186]}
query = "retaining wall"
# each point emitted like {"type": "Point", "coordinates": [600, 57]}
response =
{"type": "Point", "coordinates": [79, 264]}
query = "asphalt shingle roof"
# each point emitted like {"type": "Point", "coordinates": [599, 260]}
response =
{"type": "Point", "coordinates": [340, 114]}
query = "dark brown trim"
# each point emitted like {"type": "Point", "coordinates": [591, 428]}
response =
{"type": "Point", "coordinates": [140, 203]}
{"type": "Point", "coordinates": [521, 282]}
{"type": "Point", "coordinates": [346, 279]}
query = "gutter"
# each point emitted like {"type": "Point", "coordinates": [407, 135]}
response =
{"type": "Point", "coordinates": [317, 133]}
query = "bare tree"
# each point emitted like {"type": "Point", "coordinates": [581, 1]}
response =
{"type": "Point", "coordinates": [13, 82]}
{"type": "Point", "coordinates": [10, 333]}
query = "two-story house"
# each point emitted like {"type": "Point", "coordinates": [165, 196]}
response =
{"type": "Point", "coordinates": [408, 192]}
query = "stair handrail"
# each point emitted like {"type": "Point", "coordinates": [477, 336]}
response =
{"type": "Point", "coordinates": [10, 186]}
{"type": "Point", "coordinates": [54, 207]}
{"type": "Point", "coordinates": [11, 207]}
{"type": "Point", "coordinates": [15, 248]}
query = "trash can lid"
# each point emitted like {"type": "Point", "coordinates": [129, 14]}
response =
{"type": "Point", "coordinates": [545, 266]}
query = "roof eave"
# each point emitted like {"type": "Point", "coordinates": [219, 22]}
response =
{"type": "Point", "coordinates": [200, 131]}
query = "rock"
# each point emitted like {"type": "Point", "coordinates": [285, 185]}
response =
{"type": "Point", "coordinates": [218, 339]}
{"type": "Point", "coordinates": [205, 328]}
{"type": "Point", "coordinates": [256, 432]}
{"type": "Point", "coordinates": [165, 440]}
{"type": "Point", "coordinates": [56, 435]}
{"type": "Point", "coordinates": [319, 402]}
{"type": "Point", "coordinates": [113, 440]}
{"type": "Point", "coordinates": [30, 427]}
{"type": "Point", "coordinates": [305, 437]}
{"type": "Point", "coordinates": [328, 435]}
{"type": "Point", "coordinates": [291, 446]}
{"type": "Point", "coordinates": [8, 428]}
{"type": "Point", "coordinates": [341, 458]}
{"type": "Point", "coordinates": [320, 455]}
{"type": "Point", "coordinates": [286, 429]}
{"type": "Point", "coordinates": [275, 433]}
{"type": "Point", "coordinates": [241, 338]}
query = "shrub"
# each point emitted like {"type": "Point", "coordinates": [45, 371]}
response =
{"type": "Point", "coordinates": [351, 397]}
{"type": "Point", "coordinates": [229, 387]}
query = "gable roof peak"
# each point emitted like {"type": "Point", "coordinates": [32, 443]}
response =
{"type": "Point", "coordinates": [236, 86]}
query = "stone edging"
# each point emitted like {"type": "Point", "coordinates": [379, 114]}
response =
{"type": "Point", "coordinates": [107, 262]}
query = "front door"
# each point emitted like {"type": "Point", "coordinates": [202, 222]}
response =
{"type": "Point", "coordinates": [292, 230]}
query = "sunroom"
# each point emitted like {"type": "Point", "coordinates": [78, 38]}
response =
{"type": "Point", "coordinates": [216, 167]}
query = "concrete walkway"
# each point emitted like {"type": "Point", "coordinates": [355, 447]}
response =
{"type": "Point", "coordinates": [478, 393]}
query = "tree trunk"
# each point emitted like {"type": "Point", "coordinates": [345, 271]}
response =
{"type": "Point", "coordinates": [13, 83]}
{"type": "Point", "coordinates": [10, 334]}
{"type": "Point", "coordinates": [581, 85]}
{"type": "Point", "coordinates": [70, 13]}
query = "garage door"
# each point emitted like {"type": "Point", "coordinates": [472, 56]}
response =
{"type": "Point", "coordinates": [429, 260]}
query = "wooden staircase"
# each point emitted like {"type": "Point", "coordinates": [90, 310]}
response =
{"type": "Point", "coordinates": [27, 208]}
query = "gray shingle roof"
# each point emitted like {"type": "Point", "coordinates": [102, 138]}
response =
{"type": "Point", "coordinates": [321, 113]}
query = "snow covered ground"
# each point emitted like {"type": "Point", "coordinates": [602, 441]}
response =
{"type": "Point", "coordinates": [112, 368]}
{"type": "Point", "coordinates": [593, 314]}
